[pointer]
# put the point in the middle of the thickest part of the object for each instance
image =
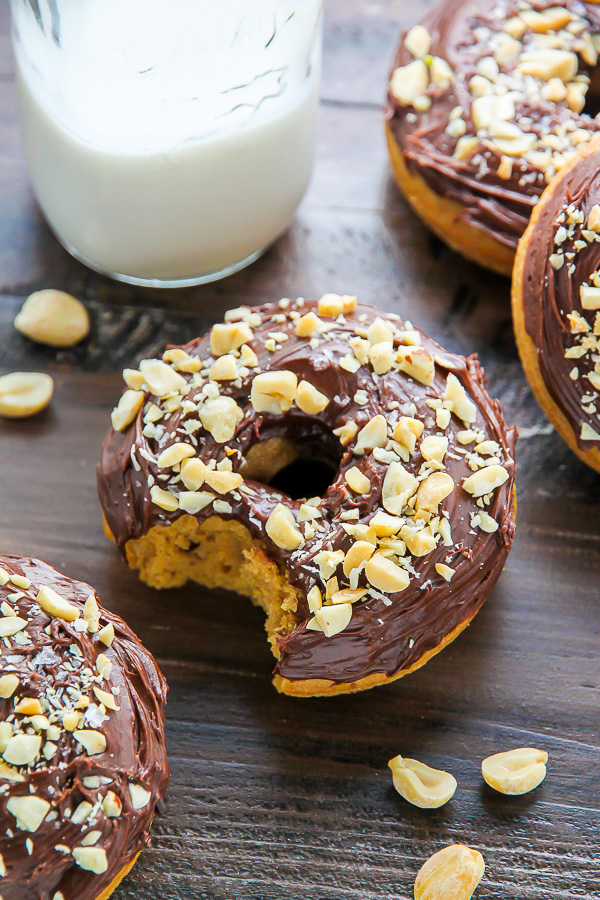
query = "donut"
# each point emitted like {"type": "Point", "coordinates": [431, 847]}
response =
{"type": "Point", "coordinates": [556, 303]}
{"type": "Point", "coordinates": [82, 738]}
{"type": "Point", "coordinates": [486, 103]}
{"type": "Point", "coordinates": [213, 471]}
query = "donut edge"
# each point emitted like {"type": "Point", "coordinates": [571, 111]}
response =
{"type": "Point", "coordinates": [106, 893]}
{"type": "Point", "coordinates": [443, 217]}
{"type": "Point", "coordinates": [321, 687]}
{"type": "Point", "coordinates": [525, 345]}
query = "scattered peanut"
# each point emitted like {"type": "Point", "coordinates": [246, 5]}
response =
{"type": "Point", "coordinates": [193, 473]}
{"type": "Point", "coordinates": [164, 499]}
{"type": "Point", "coordinates": [421, 785]}
{"type": "Point", "coordinates": [224, 369]}
{"type": "Point", "coordinates": [22, 749]}
{"type": "Point", "coordinates": [515, 771]}
{"type": "Point", "coordinates": [420, 543]}
{"type": "Point", "coordinates": [450, 874]}
{"type": "Point", "coordinates": [93, 741]}
{"type": "Point", "coordinates": [223, 482]}
{"type": "Point", "coordinates": [358, 553]}
{"type": "Point", "coordinates": [418, 41]}
{"type": "Point", "coordinates": [434, 447]}
{"type": "Point", "coordinates": [24, 394]}
{"type": "Point", "coordinates": [53, 318]}
{"type": "Point", "coordinates": [407, 432]}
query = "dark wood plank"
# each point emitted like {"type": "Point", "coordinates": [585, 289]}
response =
{"type": "Point", "coordinates": [275, 798]}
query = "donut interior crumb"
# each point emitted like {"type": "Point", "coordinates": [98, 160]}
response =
{"type": "Point", "coordinates": [219, 553]}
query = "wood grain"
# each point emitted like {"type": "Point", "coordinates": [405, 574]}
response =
{"type": "Point", "coordinates": [271, 797]}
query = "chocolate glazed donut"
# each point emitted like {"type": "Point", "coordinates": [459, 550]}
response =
{"type": "Point", "coordinates": [376, 573]}
{"type": "Point", "coordinates": [485, 104]}
{"type": "Point", "coordinates": [556, 303]}
{"type": "Point", "coordinates": [81, 735]}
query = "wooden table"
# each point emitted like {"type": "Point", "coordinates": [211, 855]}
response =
{"type": "Point", "coordinates": [280, 799]}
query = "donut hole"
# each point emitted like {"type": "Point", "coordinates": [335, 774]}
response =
{"type": "Point", "coordinates": [294, 478]}
{"type": "Point", "coordinates": [592, 98]}
{"type": "Point", "coordinates": [301, 464]}
{"type": "Point", "coordinates": [592, 104]}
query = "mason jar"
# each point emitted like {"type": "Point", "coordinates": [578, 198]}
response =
{"type": "Point", "coordinates": [169, 142]}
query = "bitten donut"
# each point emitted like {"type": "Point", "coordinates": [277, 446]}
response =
{"type": "Point", "coordinates": [556, 303]}
{"type": "Point", "coordinates": [486, 102]}
{"type": "Point", "coordinates": [81, 736]}
{"type": "Point", "coordinates": [361, 582]}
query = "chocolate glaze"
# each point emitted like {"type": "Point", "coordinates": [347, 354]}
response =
{"type": "Point", "coordinates": [135, 745]}
{"type": "Point", "coordinates": [380, 638]}
{"type": "Point", "coordinates": [500, 207]}
{"type": "Point", "coordinates": [550, 294]}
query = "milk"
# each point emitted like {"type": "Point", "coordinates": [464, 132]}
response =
{"type": "Point", "coordinates": [169, 141]}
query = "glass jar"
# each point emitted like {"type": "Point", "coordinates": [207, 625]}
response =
{"type": "Point", "coordinates": [169, 142]}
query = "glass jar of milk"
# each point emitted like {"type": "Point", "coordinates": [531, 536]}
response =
{"type": "Point", "coordinates": [169, 142]}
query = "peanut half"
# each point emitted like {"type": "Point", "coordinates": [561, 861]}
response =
{"type": "Point", "coordinates": [24, 394]}
{"type": "Point", "coordinates": [515, 771]}
{"type": "Point", "coordinates": [53, 318]}
{"type": "Point", "coordinates": [421, 785]}
{"type": "Point", "coordinates": [450, 874]}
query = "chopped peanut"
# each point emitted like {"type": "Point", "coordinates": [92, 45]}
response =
{"type": "Point", "coordinates": [174, 454]}
{"type": "Point", "coordinates": [282, 529]}
{"type": "Point", "coordinates": [357, 480]}
{"type": "Point", "coordinates": [309, 399]}
{"type": "Point", "coordinates": [374, 434]}
{"type": "Point", "coordinates": [228, 336]}
{"type": "Point", "coordinates": [334, 305]}
{"type": "Point", "coordinates": [385, 575]}
{"type": "Point", "coordinates": [416, 362]}
{"type": "Point", "coordinates": [274, 392]}
{"type": "Point", "coordinates": [485, 480]}
{"type": "Point", "coordinates": [398, 486]}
